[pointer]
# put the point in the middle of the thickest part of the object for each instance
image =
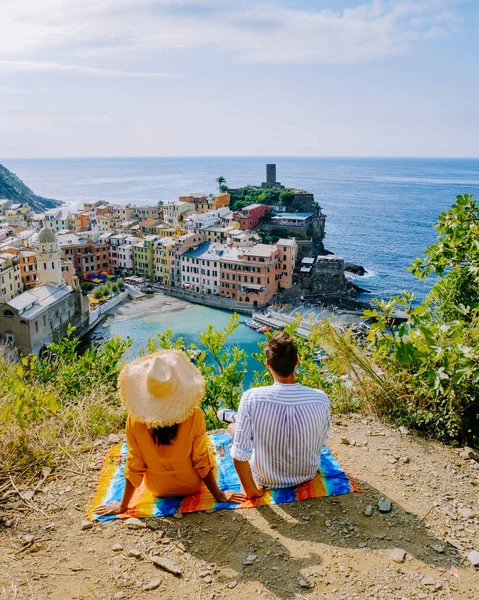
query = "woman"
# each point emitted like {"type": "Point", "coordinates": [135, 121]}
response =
{"type": "Point", "coordinates": [165, 430]}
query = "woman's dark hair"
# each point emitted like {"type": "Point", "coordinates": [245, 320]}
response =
{"type": "Point", "coordinates": [163, 436]}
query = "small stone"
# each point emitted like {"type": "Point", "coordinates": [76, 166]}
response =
{"type": "Point", "coordinates": [467, 513]}
{"type": "Point", "coordinates": [133, 523]}
{"type": "Point", "coordinates": [134, 553]}
{"type": "Point", "coordinates": [429, 581]}
{"type": "Point", "coordinates": [114, 438]}
{"type": "Point", "coordinates": [119, 596]}
{"type": "Point", "coordinates": [362, 545]}
{"type": "Point", "coordinates": [328, 523]}
{"type": "Point", "coordinates": [153, 523]}
{"type": "Point", "coordinates": [398, 555]}
{"type": "Point", "coordinates": [181, 546]}
{"type": "Point", "coordinates": [403, 430]}
{"type": "Point", "coordinates": [232, 584]}
{"type": "Point", "coordinates": [369, 511]}
{"type": "Point", "coordinates": [208, 579]}
{"type": "Point", "coordinates": [303, 583]}
{"type": "Point", "coordinates": [8, 523]}
{"type": "Point", "coordinates": [404, 459]}
{"type": "Point", "coordinates": [453, 543]}
{"type": "Point", "coordinates": [28, 539]}
{"type": "Point", "coordinates": [178, 515]}
{"type": "Point", "coordinates": [167, 564]}
{"type": "Point", "coordinates": [250, 559]}
{"type": "Point", "coordinates": [437, 547]}
{"type": "Point", "coordinates": [117, 547]}
{"type": "Point", "coordinates": [204, 573]}
{"type": "Point", "coordinates": [468, 453]}
{"type": "Point", "coordinates": [152, 585]}
{"type": "Point", "coordinates": [384, 505]}
{"type": "Point", "coordinates": [473, 558]}
{"type": "Point", "coordinates": [86, 525]}
{"type": "Point", "coordinates": [345, 441]}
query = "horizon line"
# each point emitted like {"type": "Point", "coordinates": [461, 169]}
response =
{"type": "Point", "coordinates": [240, 156]}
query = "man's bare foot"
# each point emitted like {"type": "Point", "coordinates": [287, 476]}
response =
{"type": "Point", "coordinates": [112, 508]}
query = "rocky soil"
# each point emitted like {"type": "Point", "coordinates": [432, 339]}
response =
{"type": "Point", "coordinates": [407, 536]}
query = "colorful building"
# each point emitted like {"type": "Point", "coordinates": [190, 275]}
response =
{"type": "Point", "coordinates": [251, 276]}
{"type": "Point", "coordinates": [250, 216]}
{"type": "Point", "coordinates": [144, 256]}
{"type": "Point", "coordinates": [10, 278]}
{"type": "Point", "coordinates": [200, 268]}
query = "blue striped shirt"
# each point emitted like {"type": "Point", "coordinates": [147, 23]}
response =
{"type": "Point", "coordinates": [280, 430]}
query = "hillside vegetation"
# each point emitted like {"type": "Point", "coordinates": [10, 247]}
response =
{"type": "Point", "coordinates": [13, 188]}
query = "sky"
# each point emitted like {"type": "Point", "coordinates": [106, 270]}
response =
{"type": "Point", "coordinates": [239, 78]}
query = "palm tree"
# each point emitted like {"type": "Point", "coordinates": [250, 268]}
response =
{"type": "Point", "coordinates": [220, 181]}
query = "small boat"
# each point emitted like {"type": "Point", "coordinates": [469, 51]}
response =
{"type": "Point", "coordinates": [265, 329]}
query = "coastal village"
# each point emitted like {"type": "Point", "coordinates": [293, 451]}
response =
{"type": "Point", "coordinates": [213, 249]}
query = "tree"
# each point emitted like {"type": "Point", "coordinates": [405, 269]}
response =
{"type": "Point", "coordinates": [220, 181]}
{"type": "Point", "coordinates": [160, 203]}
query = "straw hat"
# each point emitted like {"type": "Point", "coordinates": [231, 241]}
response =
{"type": "Point", "coordinates": [162, 388]}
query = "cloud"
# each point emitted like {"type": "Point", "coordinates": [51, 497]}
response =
{"type": "Point", "coordinates": [121, 31]}
{"type": "Point", "coordinates": [22, 65]}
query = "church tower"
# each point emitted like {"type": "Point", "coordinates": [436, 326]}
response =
{"type": "Point", "coordinates": [48, 258]}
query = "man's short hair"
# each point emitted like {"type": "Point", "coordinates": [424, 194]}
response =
{"type": "Point", "coordinates": [281, 353]}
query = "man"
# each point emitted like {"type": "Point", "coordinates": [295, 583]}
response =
{"type": "Point", "coordinates": [279, 430]}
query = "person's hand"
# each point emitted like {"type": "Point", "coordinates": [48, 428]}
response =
{"type": "Point", "coordinates": [112, 508]}
{"type": "Point", "coordinates": [260, 490]}
{"type": "Point", "coordinates": [231, 496]}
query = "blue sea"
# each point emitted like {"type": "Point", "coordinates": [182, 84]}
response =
{"type": "Point", "coordinates": [380, 212]}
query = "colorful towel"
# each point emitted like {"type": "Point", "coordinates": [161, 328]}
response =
{"type": "Point", "coordinates": [331, 480]}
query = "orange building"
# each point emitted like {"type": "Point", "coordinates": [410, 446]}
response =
{"type": "Point", "coordinates": [81, 221]}
{"type": "Point", "coordinates": [253, 275]}
{"type": "Point", "coordinates": [221, 200]}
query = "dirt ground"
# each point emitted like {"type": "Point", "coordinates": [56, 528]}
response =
{"type": "Point", "coordinates": [324, 548]}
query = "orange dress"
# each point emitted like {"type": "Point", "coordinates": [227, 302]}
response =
{"type": "Point", "coordinates": [175, 470]}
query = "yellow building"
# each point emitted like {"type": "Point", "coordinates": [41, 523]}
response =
{"type": "Point", "coordinates": [164, 255]}
{"type": "Point", "coordinates": [10, 277]}
{"type": "Point", "coordinates": [144, 256]}
{"type": "Point", "coordinates": [176, 212]}
{"type": "Point", "coordinates": [165, 231]}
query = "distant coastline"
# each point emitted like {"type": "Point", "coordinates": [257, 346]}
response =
{"type": "Point", "coordinates": [380, 211]}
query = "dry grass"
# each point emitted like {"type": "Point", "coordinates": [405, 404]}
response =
{"type": "Point", "coordinates": [71, 429]}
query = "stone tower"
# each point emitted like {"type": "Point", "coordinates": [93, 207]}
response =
{"type": "Point", "coordinates": [271, 175]}
{"type": "Point", "coordinates": [48, 258]}
{"type": "Point", "coordinates": [271, 178]}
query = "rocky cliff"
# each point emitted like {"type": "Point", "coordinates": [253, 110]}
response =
{"type": "Point", "coordinates": [13, 188]}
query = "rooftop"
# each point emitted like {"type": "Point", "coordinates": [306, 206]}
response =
{"type": "Point", "coordinates": [299, 216]}
{"type": "Point", "coordinates": [32, 303]}
{"type": "Point", "coordinates": [251, 207]}
{"type": "Point", "coordinates": [206, 250]}
{"type": "Point", "coordinates": [283, 242]}
{"type": "Point", "coordinates": [264, 250]}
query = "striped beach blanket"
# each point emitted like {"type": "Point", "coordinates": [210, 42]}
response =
{"type": "Point", "coordinates": [330, 480]}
